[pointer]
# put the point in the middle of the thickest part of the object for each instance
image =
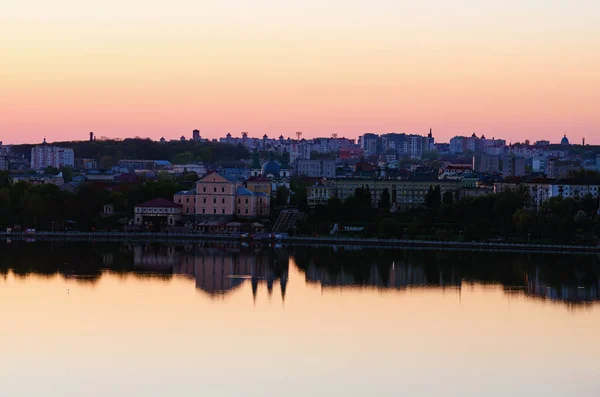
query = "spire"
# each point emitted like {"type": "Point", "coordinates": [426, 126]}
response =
{"type": "Point", "coordinates": [255, 160]}
{"type": "Point", "coordinates": [285, 163]}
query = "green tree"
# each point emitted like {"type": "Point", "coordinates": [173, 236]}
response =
{"type": "Point", "coordinates": [50, 170]}
{"type": "Point", "coordinates": [447, 198]}
{"type": "Point", "coordinates": [385, 201]}
{"type": "Point", "coordinates": [106, 162]}
{"type": "Point", "coordinates": [433, 197]}
{"type": "Point", "coordinates": [281, 196]}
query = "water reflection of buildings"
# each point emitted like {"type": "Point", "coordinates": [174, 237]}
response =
{"type": "Point", "coordinates": [585, 291]}
{"type": "Point", "coordinates": [398, 275]}
{"type": "Point", "coordinates": [218, 269]}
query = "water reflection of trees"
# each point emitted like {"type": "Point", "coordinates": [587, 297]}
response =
{"type": "Point", "coordinates": [218, 268]}
{"type": "Point", "coordinates": [568, 279]}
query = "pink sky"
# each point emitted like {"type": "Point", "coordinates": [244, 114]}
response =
{"type": "Point", "coordinates": [131, 68]}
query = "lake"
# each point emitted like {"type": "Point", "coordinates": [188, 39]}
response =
{"type": "Point", "coordinates": [220, 319]}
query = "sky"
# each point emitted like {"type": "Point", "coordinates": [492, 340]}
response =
{"type": "Point", "coordinates": [516, 69]}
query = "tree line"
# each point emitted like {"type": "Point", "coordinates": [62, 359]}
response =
{"type": "Point", "coordinates": [503, 216]}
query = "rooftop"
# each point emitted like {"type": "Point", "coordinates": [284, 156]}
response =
{"type": "Point", "coordinates": [158, 203]}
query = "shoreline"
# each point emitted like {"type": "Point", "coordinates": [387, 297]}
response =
{"type": "Point", "coordinates": [336, 241]}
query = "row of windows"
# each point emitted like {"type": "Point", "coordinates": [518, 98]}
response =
{"type": "Point", "coordinates": [155, 210]}
{"type": "Point", "coordinates": [187, 210]}
{"type": "Point", "coordinates": [214, 189]}
{"type": "Point", "coordinates": [187, 200]}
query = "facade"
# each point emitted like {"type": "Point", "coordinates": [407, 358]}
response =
{"type": "Point", "coordinates": [35, 179]}
{"type": "Point", "coordinates": [316, 168]}
{"type": "Point", "coordinates": [543, 190]}
{"type": "Point", "coordinates": [562, 168]}
{"type": "Point", "coordinates": [485, 163]}
{"type": "Point", "coordinates": [218, 198]}
{"type": "Point", "coordinates": [370, 143]}
{"type": "Point", "coordinates": [145, 165]}
{"type": "Point", "coordinates": [3, 163]}
{"type": "Point", "coordinates": [260, 185]}
{"type": "Point", "coordinates": [44, 155]}
{"type": "Point", "coordinates": [157, 211]}
{"type": "Point", "coordinates": [86, 164]}
{"type": "Point", "coordinates": [512, 166]}
{"type": "Point", "coordinates": [404, 194]}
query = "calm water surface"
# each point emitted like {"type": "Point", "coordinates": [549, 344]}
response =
{"type": "Point", "coordinates": [223, 320]}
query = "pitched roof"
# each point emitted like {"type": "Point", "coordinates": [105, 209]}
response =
{"type": "Point", "coordinates": [242, 191]}
{"type": "Point", "coordinates": [159, 203]}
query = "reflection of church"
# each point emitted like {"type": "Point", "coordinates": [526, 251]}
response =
{"type": "Point", "coordinates": [218, 270]}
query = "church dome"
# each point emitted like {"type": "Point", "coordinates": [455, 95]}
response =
{"type": "Point", "coordinates": [271, 167]}
{"type": "Point", "coordinates": [565, 141]}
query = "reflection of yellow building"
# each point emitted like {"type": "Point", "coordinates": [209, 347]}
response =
{"type": "Point", "coordinates": [220, 270]}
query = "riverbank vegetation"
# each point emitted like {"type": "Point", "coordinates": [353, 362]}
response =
{"type": "Point", "coordinates": [505, 216]}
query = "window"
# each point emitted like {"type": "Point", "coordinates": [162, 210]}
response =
{"type": "Point", "coordinates": [214, 210]}
{"type": "Point", "coordinates": [204, 200]}
{"type": "Point", "coordinates": [223, 201]}
{"type": "Point", "coordinates": [239, 201]}
{"type": "Point", "coordinates": [246, 201]}
{"type": "Point", "coordinates": [215, 200]}
{"type": "Point", "coordinates": [222, 190]}
{"type": "Point", "coordinates": [238, 211]}
{"type": "Point", "coordinates": [187, 199]}
{"type": "Point", "coordinates": [223, 211]}
{"type": "Point", "coordinates": [187, 210]}
{"type": "Point", "coordinates": [204, 189]}
{"type": "Point", "coordinates": [204, 210]}
{"type": "Point", "coordinates": [215, 189]}
{"type": "Point", "coordinates": [246, 210]}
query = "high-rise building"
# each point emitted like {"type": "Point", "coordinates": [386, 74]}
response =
{"type": "Point", "coordinates": [45, 155]}
{"type": "Point", "coordinates": [485, 163]}
{"type": "Point", "coordinates": [371, 143]}
{"type": "Point", "coordinates": [196, 135]}
{"type": "Point", "coordinates": [512, 166]}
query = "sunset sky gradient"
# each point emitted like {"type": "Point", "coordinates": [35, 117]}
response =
{"type": "Point", "coordinates": [512, 69]}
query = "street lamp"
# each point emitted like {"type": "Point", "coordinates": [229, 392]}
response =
{"type": "Point", "coordinates": [52, 223]}
{"type": "Point", "coordinates": [528, 237]}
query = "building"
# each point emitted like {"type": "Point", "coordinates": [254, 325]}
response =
{"type": "Point", "coordinates": [300, 151]}
{"type": "Point", "coordinates": [145, 165]}
{"type": "Point", "coordinates": [564, 141]}
{"type": "Point", "coordinates": [316, 168]}
{"type": "Point", "coordinates": [485, 163]}
{"type": "Point", "coordinates": [3, 163]}
{"type": "Point", "coordinates": [260, 185]}
{"type": "Point", "coordinates": [196, 135]}
{"type": "Point", "coordinates": [540, 191]}
{"type": "Point", "coordinates": [370, 143]}
{"type": "Point", "coordinates": [44, 155]}
{"type": "Point", "coordinates": [157, 212]}
{"type": "Point", "coordinates": [512, 166]}
{"type": "Point", "coordinates": [218, 198]}
{"type": "Point", "coordinates": [85, 164]}
{"type": "Point", "coordinates": [404, 194]}
{"type": "Point", "coordinates": [198, 168]}
{"type": "Point", "coordinates": [562, 168]}
{"type": "Point", "coordinates": [38, 179]}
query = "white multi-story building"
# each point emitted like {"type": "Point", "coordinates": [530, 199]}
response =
{"type": "Point", "coordinates": [45, 155]}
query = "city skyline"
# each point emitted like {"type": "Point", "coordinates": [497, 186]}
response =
{"type": "Point", "coordinates": [513, 69]}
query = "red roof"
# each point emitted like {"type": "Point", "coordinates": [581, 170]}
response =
{"type": "Point", "coordinates": [159, 203]}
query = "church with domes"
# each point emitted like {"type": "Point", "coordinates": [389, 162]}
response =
{"type": "Point", "coordinates": [271, 169]}
{"type": "Point", "coordinates": [564, 141]}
